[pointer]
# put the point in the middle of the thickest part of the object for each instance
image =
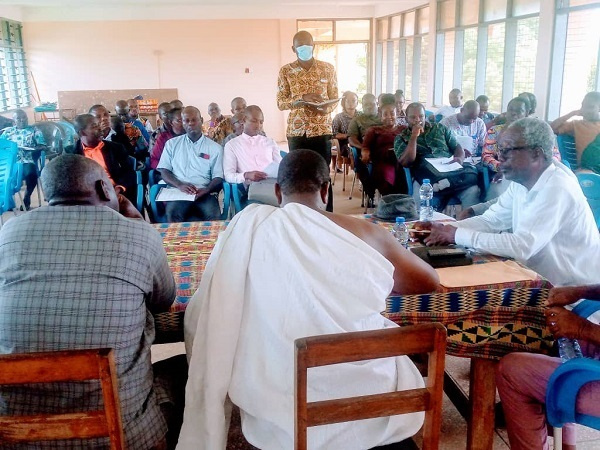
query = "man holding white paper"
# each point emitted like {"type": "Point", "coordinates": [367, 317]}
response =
{"type": "Point", "coordinates": [193, 164]}
{"type": "Point", "coordinates": [468, 128]}
{"type": "Point", "coordinates": [249, 157]}
{"type": "Point", "coordinates": [422, 141]}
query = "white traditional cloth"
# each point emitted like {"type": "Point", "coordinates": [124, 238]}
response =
{"type": "Point", "coordinates": [476, 131]}
{"type": "Point", "coordinates": [554, 231]}
{"type": "Point", "coordinates": [247, 153]}
{"type": "Point", "coordinates": [270, 280]}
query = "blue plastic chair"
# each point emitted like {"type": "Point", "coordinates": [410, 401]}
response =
{"type": "Point", "coordinates": [139, 204]}
{"type": "Point", "coordinates": [283, 153]}
{"type": "Point", "coordinates": [428, 114]}
{"type": "Point", "coordinates": [566, 147]}
{"type": "Point", "coordinates": [237, 199]}
{"type": "Point", "coordinates": [590, 185]}
{"type": "Point", "coordinates": [8, 158]}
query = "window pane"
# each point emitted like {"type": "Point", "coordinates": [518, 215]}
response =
{"type": "Point", "coordinates": [494, 67]}
{"type": "Point", "coordinates": [581, 2]}
{"type": "Point", "coordinates": [494, 10]}
{"type": "Point", "coordinates": [449, 39]}
{"type": "Point", "coordinates": [423, 70]}
{"type": "Point", "coordinates": [395, 27]}
{"type": "Point", "coordinates": [321, 30]}
{"type": "Point", "coordinates": [423, 18]}
{"type": "Point", "coordinates": [382, 29]}
{"type": "Point", "coordinates": [384, 68]}
{"type": "Point", "coordinates": [523, 7]}
{"type": "Point", "coordinates": [354, 58]}
{"type": "Point", "coordinates": [469, 63]}
{"type": "Point", "coordinates": [408, 81]}
{"type": "Point", "coordinates": [525, 56]}
{"type": "Point", "coordinates": [352, 30]}
{"type": "Point", "coordinates": [395, 68]}
{"type": "Point", "coordinates": [469, 14]}
{"type": "Point", "coordinates": [447, 14]}
{"type": "Point", "coordinates": [409, 24]}
{"type": "Point", "coordinates": [581, 61]}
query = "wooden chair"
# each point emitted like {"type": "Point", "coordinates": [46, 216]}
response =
{"type": "Point", "coordinates": [330, 349]}
{"type": "Point", "coordinates": [64, 366]}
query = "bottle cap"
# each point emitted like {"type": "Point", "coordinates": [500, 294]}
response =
{"type": "Point", "coordinates": [426, 180]}
{"type": "Point", "coordinates": [400, 219]}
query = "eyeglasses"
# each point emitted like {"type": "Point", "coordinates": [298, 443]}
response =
{"type": "Point", "coordinates": [504, 151]}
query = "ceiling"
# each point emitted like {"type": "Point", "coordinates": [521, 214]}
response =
{"type": "Point", "coordinates": [74, 10]}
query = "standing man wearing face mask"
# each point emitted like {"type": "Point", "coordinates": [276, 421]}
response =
{"type": "Point", "coordinates": [308, 80]}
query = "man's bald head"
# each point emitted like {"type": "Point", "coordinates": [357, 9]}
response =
{"type": "Point", "coordinates": [302, 38]}
{"type": "Point", "coordinates": [238, 104]}
{"type": "Point", "coordinates": [77, 179]}
{"type": "Point", "coordinates": [469, 112]}
{"type": "Point", "coordinates": [253, 120]}
{"type": "Point", "coordinates": [122, 108]}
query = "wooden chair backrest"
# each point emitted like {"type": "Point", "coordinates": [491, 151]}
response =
{"type": "Point", "coordinates": [64, 366]}
{"type": "Point", "coordinates": [364, 345]}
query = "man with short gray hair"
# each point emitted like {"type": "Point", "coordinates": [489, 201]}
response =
{"type": "Point", "coordinates": [553, 229]}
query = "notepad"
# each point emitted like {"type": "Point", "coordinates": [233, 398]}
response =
{"type": "Point", "coordinates": [171, 194]}
{"type": "Point", "coordinates": [485, 274]}
{"type": "Point", "coordinates": [444, 165]}
{"type": "Point", "coordinates": [321, 104]}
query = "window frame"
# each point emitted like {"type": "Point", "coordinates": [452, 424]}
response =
{"type": "Point", "coordinates": [15, 92]}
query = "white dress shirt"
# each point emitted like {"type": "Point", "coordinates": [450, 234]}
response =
{"type": "Point", "coordinates": [248, 153]}
{"type": "Point", "coordinates": [554, 231]}
{"type": "Point", "coordinates": [193, 162]}
{"type": "Point", "coordinates": [448, 110]}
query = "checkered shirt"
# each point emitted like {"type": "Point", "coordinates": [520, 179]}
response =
{"type": "Point", "coordinates": [74, 277]}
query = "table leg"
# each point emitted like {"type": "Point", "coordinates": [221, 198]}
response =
{"type": "Point", "coordinates": [482, 396]}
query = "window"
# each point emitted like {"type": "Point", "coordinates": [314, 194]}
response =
{"type": "Point", "coordinates": [406, 69]}
{"type": "Point", "coordinates": [345, 44]}
{"type": "Point", "coordinates": [14, 82]}
{"type": "Point", "coordinates": [492, 51]}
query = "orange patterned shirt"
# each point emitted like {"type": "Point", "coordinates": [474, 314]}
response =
{"type": "Point", "coordinates": [293, 83]}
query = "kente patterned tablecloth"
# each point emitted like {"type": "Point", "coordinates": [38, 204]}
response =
{"type": "Point", "coordinates": [486, 321]}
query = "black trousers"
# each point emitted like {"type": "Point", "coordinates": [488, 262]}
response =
{"type": "Point", "coordinates": [319, 144]}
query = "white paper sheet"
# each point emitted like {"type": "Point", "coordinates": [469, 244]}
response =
{"type": "Point", "coordinates": [173, 194]}
{"type": "Point", "coordinates": [473, 160]}
{"type": "Point", "coordinates": [443, 165]}
{"type": "Point", "coordinates": [271, 170]}
{"type": "Point", "coordinates": [466, 142]}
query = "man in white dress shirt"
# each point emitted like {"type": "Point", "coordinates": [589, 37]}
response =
{"type": "Point", "coordinates": [193, 164]}
{"type": "Point", "coordinates": [455, 97]}
{"type": "Point", "coordinates": [553, 229]}
{"type": "Point", "coordinates": [247, 156]}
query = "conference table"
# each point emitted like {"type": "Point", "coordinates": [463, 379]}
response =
{"type": "Point", "coordinates": [485, 319]}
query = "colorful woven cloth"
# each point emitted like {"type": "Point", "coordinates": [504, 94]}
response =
{"type": "Point", "coordinates": [483, 323]}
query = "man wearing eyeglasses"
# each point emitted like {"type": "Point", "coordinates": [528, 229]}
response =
{"type": "Point", "coordinates": [553, 229]}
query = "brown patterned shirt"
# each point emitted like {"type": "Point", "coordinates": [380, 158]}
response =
{"type": "Point", "coordinates": [293, 83]}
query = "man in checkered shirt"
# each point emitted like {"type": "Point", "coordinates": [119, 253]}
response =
{"type": "Point", "coordinates": [77, 274]}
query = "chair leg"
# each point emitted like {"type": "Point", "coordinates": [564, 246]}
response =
{"type": "Point", "coordinates": [352, 188]}
{"type": "Point", "coordinates": [344, 168]}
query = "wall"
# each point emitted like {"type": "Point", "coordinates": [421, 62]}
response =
{"type": "Point", "coordinates": [204, 59]}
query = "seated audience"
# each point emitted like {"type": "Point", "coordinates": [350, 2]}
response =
{"type": "Point", "coordinates": [193, 164]}
{"type": "Point", "coordinates": [134, 130]}
{"type": "Point", "coordinates": [517, 109]}
{"type": "Point", "coordinates": [455, 98]}
{"type": "Point", "coordinates": [30, 142]}
{"type": "Point", "coordinates": [134, 114]}
{"type": "Point", "coordinates": [111, 156]}
{"type": "Point", "coordinates": [172, 127]}
{"type": "Point", "coordinates": [553, 228]}
{"type": "Point", "coordinates": [163, 110]}
{"type": "Point", "coordinates": [218, 127]}
{"type": "Point", "coordinates": [357, 129]}
{"type": "Point", "coordinates": [238, 105]}
{"type": "Point", "coordinates": [484, 106]}
{"type": "Point", "coordinates": [119, 136]}
{"type": "Point", "coordinates": [522, 378]}
{"type": "Point", "coordinates": [273, 277]}
{"type": "Point", "coordinates": [102, 115]}
{"type": "Point", "coordinates": [92, 279]}
{"type": "Point", "coordinates": [247, 156]}
{"type": "Point", "coordinates": [340, 126]}
{"type": "Point", "coordinates": [400, 113]}
{"type": "Point", "coordinates": [378, 148]}
{"type": "Point", "coordinates": [467, 123]}
{"type": "Point", "coordinates": [585, 130]}
{"type": "Point", "coordinates": [237, 123]}
{"type": "Point", "coordinates": [421, 140]}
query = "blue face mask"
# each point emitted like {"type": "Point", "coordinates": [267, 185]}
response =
{"type": "Point", "coordinates": [305, 52]}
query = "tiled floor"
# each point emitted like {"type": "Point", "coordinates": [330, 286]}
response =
{"type": "Point", "coordinates": [454, 427]}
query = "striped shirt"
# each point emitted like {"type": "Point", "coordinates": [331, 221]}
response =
{"type": "Point", "coordinates": [74, 277]}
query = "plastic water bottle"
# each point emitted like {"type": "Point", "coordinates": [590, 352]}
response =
{"type": "Point", "coordinates": [426, 194]}
{"type": "Point", "coordinates": [400, 231]}
{"type": "Point", "coordinates": [568, 349]}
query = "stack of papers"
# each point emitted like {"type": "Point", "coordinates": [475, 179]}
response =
{"type": "Point", "coordinates": [444, 165]}
{"type": "Point", "coordinates": [172, 194]}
